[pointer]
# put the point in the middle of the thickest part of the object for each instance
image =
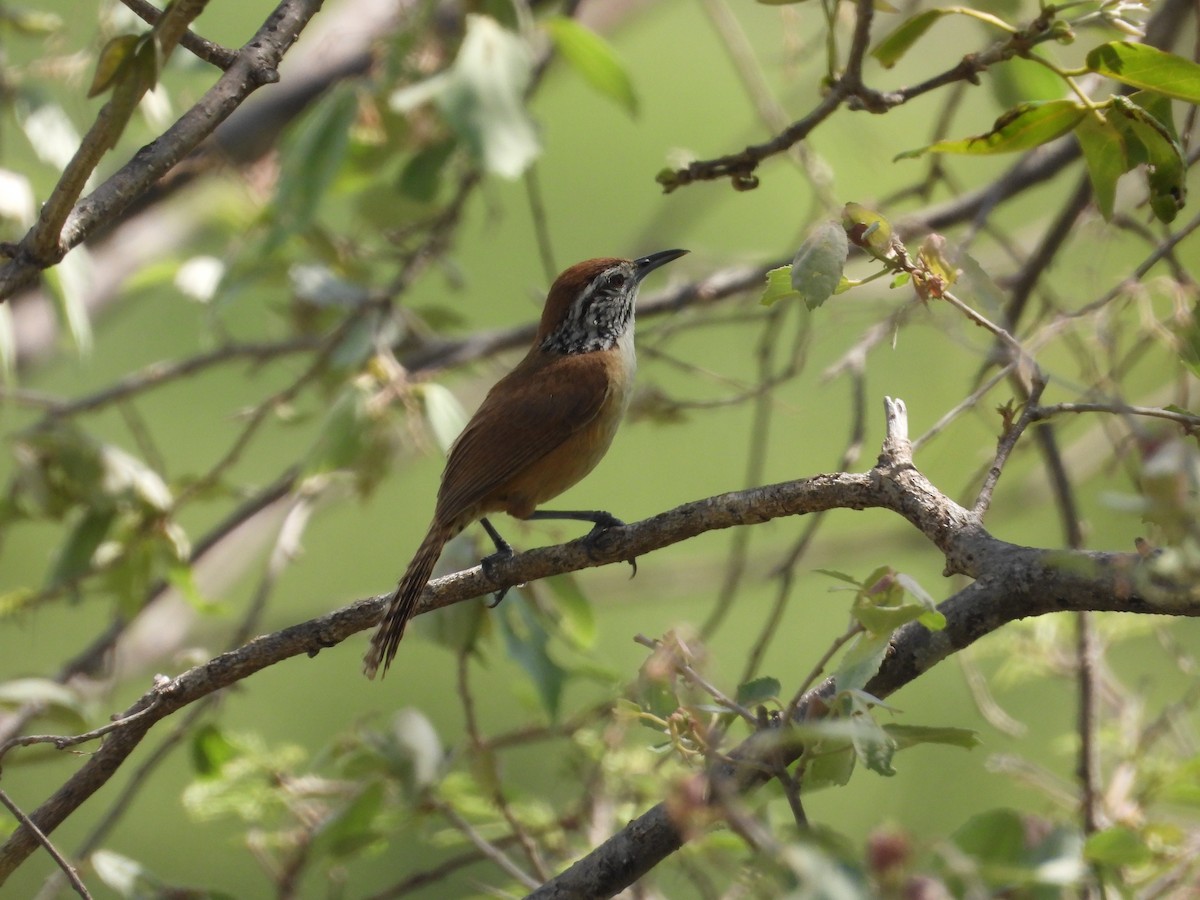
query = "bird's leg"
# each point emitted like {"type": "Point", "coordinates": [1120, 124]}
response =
{"type": "Point", "coordinates": [601, 522]}
{"type": "Point", "coordinates": [504, 551]}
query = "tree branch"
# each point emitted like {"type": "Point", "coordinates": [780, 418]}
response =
{"type": "Point", "coordinates": [1014, 582]}
{"type": "Point", "coordinates": [59, 229]}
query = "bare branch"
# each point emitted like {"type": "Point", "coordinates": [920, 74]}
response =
{"type": "Point", "coordinates": [1014, 582]}
{"type": "Point", "coordinates": [65, 223]}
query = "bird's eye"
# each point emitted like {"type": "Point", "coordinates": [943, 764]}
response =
{"type": "Point", "coordinates": [614, 281]}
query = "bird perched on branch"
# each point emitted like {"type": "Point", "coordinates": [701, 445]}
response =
{"type": "Point", "coordinates": [541, 428]}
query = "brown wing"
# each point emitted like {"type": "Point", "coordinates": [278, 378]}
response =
{"type": "Point", "coordinates": [528, 414]}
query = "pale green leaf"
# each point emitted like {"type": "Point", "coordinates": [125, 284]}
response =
{"type": "Point", "coordinates": [50, 132]}
{"type": "Point", "coordinates": [8, 346]}
{"type": "Point", "coordinates": [69, 283]}
{"type": "Point", "coordinates": [418, 740]}
{"type": "Point", "coordinates": [596, 62]}
{"type": "Point", "coordinates": [840, 576]}
{"type": "Point", "coordinates": [482, 97]}
{"type": "Point", "coordinates": [30, 22]}
{"type": "Point", "coordinates": [127, 877]}
{"type": "Point", "coordinates": [56, 702]}
{"type": "Point", "coordinates": [577, 617]}
{"type": "Point", "coordinates": [443, 413]}
{"type": "Point", "coordinates": [910, 735]}
{"type": "Point", "coordinates": [779, 287]}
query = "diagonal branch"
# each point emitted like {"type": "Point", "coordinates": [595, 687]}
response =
{"type": "Point", "coordinates": [1014, 582]}
{"type": "Point", "coordinates": [63, 225]}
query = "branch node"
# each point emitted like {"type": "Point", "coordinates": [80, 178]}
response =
{"type": "Point", "coordinates": [264, 75]}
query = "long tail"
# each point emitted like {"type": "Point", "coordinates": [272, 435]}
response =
{"type": "Point", "coordinates": [404, 600]}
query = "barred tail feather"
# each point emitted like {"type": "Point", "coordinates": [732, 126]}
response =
{"type": "Point", "coordinates": [404, 601]}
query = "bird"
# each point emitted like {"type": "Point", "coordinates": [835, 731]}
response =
{"type": "Point", "coordinates": [540, 429]}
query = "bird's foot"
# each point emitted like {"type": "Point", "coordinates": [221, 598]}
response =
{"type": "Point", "coordinates": [504, 552]}
{"type": "Point", "coordinates": [604, 522]}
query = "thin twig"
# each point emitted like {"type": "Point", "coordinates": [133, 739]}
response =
{"type": "Point", "coordinates": [1004, 447]}
{"type": "Point", "coordinates": [1190, 422]}
{"type": "Point", "coordinates": [204, 49]}
{"type": "Point", "coordinates": [64, 865]}
{"type": "Point", "coordinates": [483, 845]}
{"type": "Point", "coordinates": [691, 675]}
{"type": "Point", "coordinates": [488, 760]}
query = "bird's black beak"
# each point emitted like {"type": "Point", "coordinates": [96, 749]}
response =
{"type": "Point", "coordinates": [648, 264]}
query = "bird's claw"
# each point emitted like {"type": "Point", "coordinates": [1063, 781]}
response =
{"type": "Point", "coordinates": [488, 564]}
{"type": "Point", "coordinates": [601, 528]}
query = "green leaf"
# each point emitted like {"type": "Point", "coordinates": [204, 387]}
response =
{"type": "Point", "coordinates": [414, 749]}
{"type": "Point", "coordinates": [354, 438]}
{"type": "Point", "coordinates": [421, 176]}
{"type": "Point", "coordinates": [50, 132]}
{"type": "Point", "coordinates": [861, 661]}
{"type": "Point", "coordinates": [577, 617]}
{"type": "Point", "coordinates": [482, 97]}
{"type": "Point", "coordinates": [69, 282]}
{"type": "Point", "coordinates": [1104, 152]}
{"type": "Point", "coordinates": [1117, 846]}
{"type": "Point", "coordinates": [758, 690]}
{"type": "Point", "coordinates": [831, 766]}
{"type": "Point", "coordinates": [996, 836]}
{"type": "Point", "coordinates": [210, 751]}
{"type": "Point", "coordinates": [74, 558]}
{"type": "Point", "coordinates": [889, 51]}
{"type": "Point", "coordinates": [56, 703]}
{"type": "Point", "coordinates": [840, 576]}
{"type": "Point", "coordinates": [351, 828]}
{"type": "Point", "coordinates": [1023, 127]}
{"type": "Point", "coordinates": [114, 57]}
{"type": "Point", "coordinates": [311, 160]}
{"type": "Point", "coordinates": [1147, 67]}
{"type": "Point", "coordinates": [30, 22]}
{"type": "Point", "coordinates": [127, 877]}
{"type": "Point", "coordinates": [779, 287]}
{"type": "Point", "coordinates": [930, 618]}
{"type": "Point", "coordinates": [817, 268]}
{"type": "Point", "coordinates": [906, 736]}
{"type": "Point", "coordinates": [527, 642]}
{"type": "Point", "coordinates": [592, 57]}
{"type": "Point", "coordinates": [874, 747]}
